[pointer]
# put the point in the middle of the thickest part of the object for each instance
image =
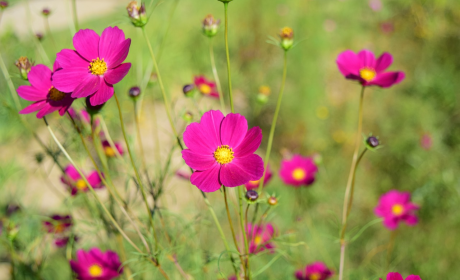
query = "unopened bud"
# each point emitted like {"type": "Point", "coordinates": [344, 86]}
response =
{"type": "Point", "coordinates": [39, 157]}
{"type": "Point", "coordinates": [188, 117]}
{"type": "Point", "coordinates": [137, 14]}
{"type": "Point", "coordinates": [3, 4]}
{"type": "Point", "coordinates": [188, 90]}
{"type": "Point", "coordinates": [46, 12]}
{"type": "Point", "coordinates": [287, 38]}
{"type": "Point", "coordinates": [210, 26]}
{"type": "Point", "coordinates": [252, 195]}
{"type": "Point", "coordinates": [134, 92]}
{"type": "Point", "coordinates": [11, 209]}
{"type": "Point", "coordinates": [24, 66]}
{"type": "Point", "coordinates": [372, 142]}
{"type": "Point", "coordinates": [262, 96]}
{"type": "Point", "coordinates": [93, 110]}
{"type": "Point", "coordinates": [39, 36]}
{"type": "Point", "coordinates": [272, 200]}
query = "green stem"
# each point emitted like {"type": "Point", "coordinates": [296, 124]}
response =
{"type": "Point", "coordinates": [230, 222]}
{"type": "Point", "coordinates": [139, 139]}
{"type": "Point", "coordinates": [243, 229]}
{"type": "Point", "coordinates": [216, 75]}
{"type": "Point", "coordinates": [273, 126]}
{"type": "Point", "coordinates": [75, 18]}
{"type": "Point", "coordinates": [10, 84]}
{"type": "Point", "coordinates": [230, 94]}
{"type": "Point", "coordinates": [48, 31]}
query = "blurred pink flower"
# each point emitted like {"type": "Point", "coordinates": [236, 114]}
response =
{"type": "Point", "coordinates": [251, 185]}
{"type": "Point", "coordinates": [259, 237]}
{"type": "Point", "coordinates": [375, 5]}
{"type": "Point", "coordinates": [183, 174]}
{"type": "Point", "coordinates": [314, 271]}
{"type": "Point", "coordinates": [206, 87]}
{"type": "Point", "coordinates": [80, 116]}
{"type": "Point", "coordinates": [221, 150]}
{"type": "Point", "coordinates": [109, 151]}
{"type": "Point", "coordinates": [59, 227]}
{"type": "Point", "coordinates": [298, 171]}
{"type": "Point", "coordinates": [95, 265]}
{"type": "Point", "coordinates": [387, 27]}
{"type": "Point", "coordinates": [76, 184]}
{"type": "Point", "coordinates": [426, 141]}
{"type": "Point", "coordinates": [395, 207]}
{"type": "Point", "coordinates": [397, 276]}
{"type": "Point", "coordinates": [95, 66]}
{"type": "Point", "coordinates": [364, 68]}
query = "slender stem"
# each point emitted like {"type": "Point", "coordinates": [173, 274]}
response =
{"type": "Point", "coordinates": [273, 126]}
{"type": "Point", "coordinates": [141, 185]}
{"type": "Point", "coordinates": [75, 18]}
{"type": "Point", "coordinates": [139, 139]}
{"type": "Point", "coordinates": [243, 229]}
{"type": "Point", "coordinates": [168, 25]}
{"type": "Point", "coordinates": [10, 84]}
{"type": "Point", "coordinates": [230, 94]}
{"type": "Point", "coordinates": [352, 191]}
{"type": "Point", "coordinates": [121, 246]}
{"type": "Point", "coordinates": [351, 176]}
{"type": "Point", "coordinates": [230, 222]}
{"type": "Point", "coordinates": [48, 31]}
{"type": "Point", "coordinates": [391, 245]}
{"type": "Point", "coordinates": [216, 75]}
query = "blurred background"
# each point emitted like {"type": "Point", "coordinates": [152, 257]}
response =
{"type": "Point", "coordinates": [417, 122]}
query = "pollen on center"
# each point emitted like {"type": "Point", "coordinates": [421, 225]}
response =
{"type": "Point", "coordinates": [109, 151]}
{"type": "Point", "coordinates": [80, 184]}
{"type": "Point", "coordinates": [95, 270]}
{"type": "Point", "coordinates": [55, 94]}
{"type": "Point", "coordinates": [205, 89]}
{"type": "Point", "coordinates": [299, 174]}
{"type": "Point", "coordinates": [258, 240]}
{"type": "Point", "coordinates": [223, 154]}
{"type": "Point", "coordinates": [367, 74]}
{"type": "Point", "coordinates": [315, 276]}
{"type": "Point", "coordinates": [97, 66]}
{"type": "Point", "coordinates": [397, 209]}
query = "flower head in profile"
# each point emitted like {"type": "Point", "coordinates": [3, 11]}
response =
{"type": "Point", "coordinates": [137, 14]}
{"type": "Point", "coordinates": [109, 151]}
{"type": "Point", "coordinates": [24, 65]}
{"type": "Point", "coordinates": [96, 265]}
{"type": "Point", "coordinates": [395, 207]}
{"type": "Point", "coordinates": [206, 87]}
{"type": "Point", "coordinates": [251, 185]}
{"type": "Point", "coordinates": [314, 271]}
{"type": "Point", "coordinates": [299, 171]}
{"type": "Point", "coordinates": [210, 26]}
{"type": "Point", "coordinates": [3, 5]}
{"type": "Point", "coordinates": [260, 237]}
{"type": "Point", "coordinates": [363, 67]}
{"type": "Point", "coordinates": [221, 150]}
{"type": "Point", "coordinates": [59, 226]}
{"type": "Point", "coordinates": [287, 38]}
{"type": "Point", "coordinates": [426, 141]}
{"type": "Point", "coordinates": [94, 66]}
{"type": "Point", "coordinates": [397, 276]}
{"type": "Point", "coordinates": [76, 183]}
{"type": "Point", "coordinates": [45, 96]}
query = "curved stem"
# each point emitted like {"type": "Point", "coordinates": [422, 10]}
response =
{"type": "Point", "coordinates": [351, 176]}
{"type": "Point", "coordinates": [230, 94]}
{"type": "Point", "coordinates": [216, 75]}
{"type": "Point", "coordinates": [273, 126]}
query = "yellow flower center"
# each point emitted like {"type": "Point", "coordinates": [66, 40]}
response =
{"type": "Point", "coordinates": [55, 94]}
{"type": "Point", "coordinates": [299, 174]}
{"type": "Point", "coordinates": [109, 151]}
{"type": "Point", "coordinates": [367, 74]}
{"type": "Point", "coordinates": [80, 184]}
{"type": "Point", "coordinates": [59, 228]}
{"type": "Point", "coordinates": [265, 90]}
{"type": "Point", "coordinates": [258, 240]}
{"type": "Point", "coordinates": [223, 154]}
{"type": "Point", "coordinates": [205, 89]}
{"type": "Point", "coordinates": [254, 183]}
{"type": "Point", "coordinates": [286, 33]}
{"type": "Point", "coordinates": [97, 67]}
{"type": "Point", "coordinates": [397, 209]}
{"type": "Point", "coordinates": [95, 270]}
{"type": "Point", "coordinates": [315, 276]}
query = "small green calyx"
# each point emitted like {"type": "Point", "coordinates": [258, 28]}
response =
{"type": "Point", "coordinates": [137, 14]}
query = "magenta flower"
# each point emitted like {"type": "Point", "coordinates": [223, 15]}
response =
{"type": "Point", "coordinates": [81, 116]}
{"type": "Point", "coordinates": [95, 65]}
{"type": "Point", "coordinates": [369, 72]}
{"type": "Point", "coordinates": [259, 237]}
{"type": "Point", "coordinates": [47, 98]}
{"type": "Point", "coordinates": [314, 271]}
{"type": "Point", "coordinates": [109, 151]}
{"type": "Point", "coordinates": [251, 185]}
{"type": "Point", "coordinates": [298, 171]}
{"type": "Point", "coordinates": [221, 150]}
{"type": "Point", "coordinates": [59, 227]}
{"type": "Point", "coordinates": [95, 265]}
{"type": "Point", "coordinates": [395, 207]}
{"type": "Point", "coordinates": [183, 174]}
{"type": "Point", "coordinates": [76, 184]}
{"type": "Point", "coordinates": [397, 276]}
{"type": "Point", "coordinates": [426, 141]}
{"type": "Point", "coordinates": [206, 87]}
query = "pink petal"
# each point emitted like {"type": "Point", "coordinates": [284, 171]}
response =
{"type": "Point", "coordinates": [89, 85]}
{"type": "Point", "coordinates": [86, 42]}
{"type": "Point", "coordinates": [208, 180]}
{"type": "Point", "coordinates": [234, 128]}
{"type": "Point", "coordinates": [387, 79]}
{"type": "Point", "coordinates": [66, 80]}
{"type": "Point", "coordinates": [56, 66]}
{"type": "Point", "coordinates": [413, 277]}
{"type": "Point", "coordinates": [115, 75]}
{"type": "Point", "coordinates": [367, 59]}
{"type": "Point", "coordinates": [71, 59]}
{"type": "Point", "coordinates": [411, 220]}
{"type": "Point", "coordinates": [250, 143]}
{"type": "Point", "coordinates": [46, 110]}
{"type": "Point", "coordinates": [31, 94]}
{"type": "Point", "coordinates": [104, 93]}
{"type": "Point", "coordinates": [198, 161]}
{"type": "Point", "coordinates": [33, 107]}
{"type": "Point", "coordinates": [94, 180]}
{"type": "Point", "coordinates": [391, 223]}
{"type": "Point", "coordinates": [113, 47]}
{"type": "Point", "coordinates": [394, 276]}
{"type": "Point", "coordinates": [384, 61]}
{"type": "Point", "coordinates": [72, 172]}
{"type": "Point", "coordinates": [242, 170]}
{"type": "Point", "coordinates": [64, 109]}
{"type": "Point", "coordinates": [204, 137]}
{"type": "Point", "coordinates": [348, 63]}
{"type": "Point", "coordinates": [40, 77]}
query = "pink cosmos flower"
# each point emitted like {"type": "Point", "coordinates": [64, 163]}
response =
{"type": "Point", "coordinates": [59, 227]}
{"type": "Point", "coordinates": [375, 5]}
{"type": "Point", "coordinates": [426, 141]}
{"type": "Point", "coordinates": [183, 174]}
{"type": "Point", "coordinates": [397, 276]}
{"type": "Point", "coordinates": [395, 207]}
{"type": "Point", "coordinates": [221, 150]}
{"type": "Point", "coordinates": [206, 87]}
{"type": "Point", "coordinates": [259, 237]}
{"type": "Point", "coordinates": [298, 171]}
{"type": "Point", "coordinates": [95, 265]}
{"type": "Point", "coordinates": [95, 65]}
{"type": "Point", "coordinates": [76, 184]}
{"type": "Point", "coordinates": [109, 151]}
{"type": "Point", "coordinates": [47, 98]}
{"type": "Point", "coordinates": [81, 116]}
{"type": "Point", "coordinates": [251, 185]}
{"type": "Point", "coordinates": [369, 72]}
{"type": "Point", "coordinates": [314, 271]}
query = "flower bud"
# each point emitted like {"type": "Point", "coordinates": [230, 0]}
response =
{"type": "Point", "coordinates": [134, 92]}
{"type": "Point", "coordinates": [39, 36]}
{"type": "Point", "coordinates": [272, 200]}
{"type": "Point", "coordinates": [137, 14]}
{"type": "Point", "coordinates": [11, 209]}
{"type": "Point", "coordinates": [188, 117]}
{"type": "Point", "coordinates": [252, 195]}
{"type": "Point", "coordinates": [93, 110]}
{"type": "Point", "coordinates": [210, 26]}
{"type": "Point", "coordinates": [39, 157]}
{"type": "Point", "coordinates": [262, 96]}
{"type": "Point", "coordinates": [46, 12]}
{"type": "Point", "coordinates": [24, 66]}
{"type": "Point", "coordinates": [372, 142]}
{"type": "Point", "coordinates": [287, 38]}
{"type": "Point", "coordinates": [188, 90]}
{"type": "Point", "coordinates": [3, 4]}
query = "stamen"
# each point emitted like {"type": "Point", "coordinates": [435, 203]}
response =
{"type": "Point", "coordinates": [55, 94]}
{"type": "Point", "coordinates": [205, 89]}
{"type": "Point", "coordinates": [367, 74]}
{"type": "Point", "coordinates": [223, 154]}
{"type": "Point", "coordinates": [299, 174]}
{"type": "Point", "coordinates": [397, 209]}
{"type": "Point", "coordinates": [97, 67]}
{"type": "Point", "coordinates": [95, 270]}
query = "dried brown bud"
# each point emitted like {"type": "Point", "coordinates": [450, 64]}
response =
{"type": "Point", "coordinates": [210, 26]}
{"type": "Point", "coordinates": [24, 66]}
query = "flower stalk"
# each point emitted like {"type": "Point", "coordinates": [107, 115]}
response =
{"type": "Point", "coordinates": [216, 75]}
{"type": "Point", "coordinates": [230, 94]}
